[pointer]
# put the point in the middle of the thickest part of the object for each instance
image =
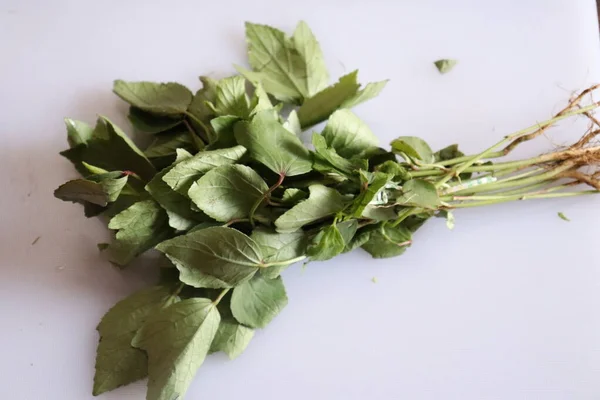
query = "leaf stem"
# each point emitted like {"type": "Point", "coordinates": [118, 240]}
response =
{"type": "Point", "coordinates": [522, 181]}
{"type": "Point", "coordinates": [402, 215]}
{"type": "Point", "coordinates": [508, 139]}
{"type": "Point", "coordinates": [285, 262]}
{"type": "Point", "coordinates": [221, 295]}
{"type": "Point", "coordinates": [504, 199]}
{"type": "Point", "coordinates": [264, 197]}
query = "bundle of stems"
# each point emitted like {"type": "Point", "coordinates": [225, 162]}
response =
{"type": "Point", "coordinates": [559, 173]}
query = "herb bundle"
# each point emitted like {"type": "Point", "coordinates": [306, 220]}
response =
{"type": "Point", "coordinates": [230, 194]}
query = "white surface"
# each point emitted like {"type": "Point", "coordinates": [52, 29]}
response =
{"type": "Point", "coordinates": [459, 316]}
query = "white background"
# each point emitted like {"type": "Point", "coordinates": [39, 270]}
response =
{"type": "Point", "coordinates": [506, 306]}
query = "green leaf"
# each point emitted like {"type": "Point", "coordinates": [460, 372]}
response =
{"type": "Point", "coordinates": [361, 237]}
{"type": "Point", "coordinates": [289, 69]}
{"type": "Point", "coordinates": [223, 132]}
{"type": "Point", "coordinates": [293, 123]}
{"type": "Point", "coordinates": [110, 149]}
{"type": "Point", "coordinates": [274, 146]}
{"type": "Point", "coordinates": [97, 189]}
{"type": "Point", "coordinates": [182, 175]}
{"type": "Point", "coordinates": [232, 99]}
{"type": "Point", "coordinates": [448, 153]}
{"type": "Point", "coordinates": [177, 340]}
{"type": "Point", "coordinates": [293, 196]}
{"type": "Point", "coordinates": [260, 100]}
{"type": "Point", "coordinates": [223, 253]}
{"type": "Point", "coordinates": [166, 144]}
{"type": "Point", "coordinates": [445, 65]}
{"type": "Point", "coordinates": [279, 247]}
{"type": "Point", "coordinates": [347, 134]}
{"type": "Point", "coordinates": [386, 241]}
{"type": "Point", "coordinates": [178, 207]}
{"type": "Point", "coordinates": [413, 147]}
{"type": "Point", "coordinates": [78, 132]}
{"type": "Point", "coordinates": [348, 230]}
{"type": "Point", "coordinates": [315, 70]}
{"type": "Point", "coordinates": [140, 227]}
{"type": "Point", "coordinates": [394, 169]}
{"type": "Point", "coordinates": [150, 123]}
{"type": "Point", "coordinates": [256, 302]}
{"type": "Point", "coordinates": [370, 91]}
{"type": "Point", "coordinates": [328, 243]}
{"type": "Point", "coordinates": [320, 106]}
{"type": "Point", "coordinates": [372, 185]}
{"type": "Point", "coordinates": [228, 192]}
{"type": "Point", "coordinates": [199, 109]}
{"type": "Point", "coordinates": [117, 363]}
{"type": "Point", "coordinates": [379, 213]}
{"type": "Point", "coordinates": [328, 159]}
{"type": "Point", "coordinates": [419, 193]}
{"type": "Point", "coordinates": [231, 338]}
{"type": "Point", "coordinates": [322, 202]}
{"type": "Point", "coordinates": [157, 98]}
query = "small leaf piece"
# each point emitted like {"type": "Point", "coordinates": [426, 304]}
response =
{"type": "Point", "coordinates": [224, 253]}
{"type": "Point", "coordinates": [228, 192]}
{"type": "Point", "coordinates": [413, 147]}
{"type": "Point", "coordinates": [347, 134]}
{"type": "Point", "coordinates": [117, 363]}
{"type": "Point", "coordinates": [256, 302]}
{"type": "Point", "coordinates": [272, 145]}
{"type": "Point", "coordinates": [177, 340]}
{"type": "Point", "coordinates": [322, 202]}
{"type": "Point", "coordinates": [445, 65]}
{"type": "Point", "coordinates": [563, 217]}
{"type": "Point", "coordinates": [157, 98]}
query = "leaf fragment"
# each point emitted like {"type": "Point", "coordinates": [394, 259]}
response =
{"type": "Point", "coordinates": [444, 65]}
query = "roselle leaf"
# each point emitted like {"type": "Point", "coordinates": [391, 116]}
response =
{"type": "Point", "coordinates": [177, 339]}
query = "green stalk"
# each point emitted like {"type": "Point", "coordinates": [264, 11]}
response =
{"type": "Point", "coordinates": [484, 154]}
{"type": "Point", "coordinates": [221, 295]}
{"type": "Point", "coordinates": [504, 199]}
{"type": "Point", "coordinates": [285, 262]}
{"type": "Point", "coordinates": [504, 184]}
{"type": "Point", "coordinates": [264, 197]}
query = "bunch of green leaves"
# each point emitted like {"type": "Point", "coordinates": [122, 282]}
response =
{"type": "Point", "coordinates": [230, 194]}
